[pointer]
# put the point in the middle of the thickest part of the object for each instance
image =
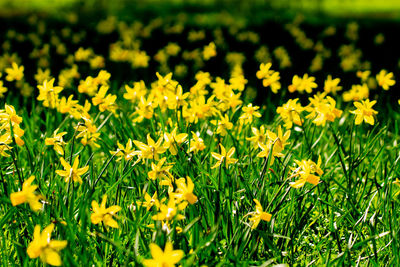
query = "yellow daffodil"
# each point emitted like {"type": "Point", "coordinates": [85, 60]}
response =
{"type": "Point", "coordinates": [56, 141]}
{"type": "Point", "coordinates": [152, 149]}
{"type": "Point", "coordinates": [385, 79]}
{"type": "Point", "coordinates": [259, 136]}
{"type": "Point", "coordinates": [290, 113]}
{"type": "Point", "coordinates": [209, 51]}
{"type": "Point", "coordinates": [364, 112]}
{"type": "Point", "coordinates": [45, 248]}
{"type": "Point", "coordinates": [72, 172]}
{"type": "Point", "coordinates": [173, 140]}
{"type": "Point", "coordinates": [332, 85]}
{"type": "Point", "coordinates": [149, 201]}
{"type": "Point", "coordinates": [169, 212]}
{"type": "Point", "coordinates": [27, 195]}
{"type": "Point", "coordinates": [166, 258]}
{"type": "Point", "coordinates": [196, 143]}
{"type": "Point", "coordinates": [305, 83]}
{"type": "Point", "coordinates": [126, 152]}
{"type": "Point", "coordinates": [158, 171]}
{"type": "Point", "coordinates": [258, 215]}
{"type": "Point", "coordinates": [103, 214]}
{"type": "Point", "coordinates": [14, 73]}
{"type": "Point", "coordinates": [104, 101]}
{"type": "Point", "coordinates": [305, 171]}
{"type": "Point", "coordinates": [223, 124]}
{"type": "Point", "coordinates": [224, 157]}
{"type": "Point", "coordinates": [249, 112]}
{"type": "Point", "coordinates": [48, 93]}
{"type": "Point", "coordinates": [184, 190]}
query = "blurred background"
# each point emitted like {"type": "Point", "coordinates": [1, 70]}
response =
{"type": "Point", "coordinates": [384, 9]}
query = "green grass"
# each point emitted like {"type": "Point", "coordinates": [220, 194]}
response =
{"type": "Point", "coordinates": [350, 217]}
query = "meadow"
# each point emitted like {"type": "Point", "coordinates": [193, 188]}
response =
{"type": "Point", "coordinates": [198, 140]}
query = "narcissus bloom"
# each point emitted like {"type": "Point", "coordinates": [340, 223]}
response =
{"type": "Point", "coordinates": [56, 141]}
{"type": "Point", "coordinates": [27, 195]}
{"type": "Point", "coordinates": [332, 85]}
{"type": "Point", "coordinates": [224, 157]}
{"type": "Point", "coordinates": [14, 73]}
{"type": "Point", "coordinates": [306, 170]}
{"type": "Point", "coordinates": [45, 248]}
{"type": "Point", "coordinates": [302, 84]}
{"type": "Point", "coordinates": [48, 93]}
{"type": "Point", "coordinates": [166, 258]}
{"type": "Point", "coordinates": [258, 215]}
{"type": "Point", "coordinates": [249, 112]}
{"type": "Point", "coordinates": [159, 170]}
{"type": "Point", "coordinates": [364, 112]}
{"type": "Point", "coordinates": [103, 214]}
{"type": "Point", "coordinates": [72, 172]}
{"type": "Point", "coordinates": [290, 113]}
{"type": "Point", "coordinates": [223, 124]}
{"type": "Point", "coordinates": [152, 149]}
{"type": "Point", "coordinates": [196, 143]}
{"type": "Point", "coordinates": [209, 51]}
{"type": "Point", "coordinates": [385, 79]}
{"type": "Point", "coordinates": [126, 152]}
{"type": "Point", "coordinates": [185, 190]}
{"type": "Point", "coordinates": [173, 140]}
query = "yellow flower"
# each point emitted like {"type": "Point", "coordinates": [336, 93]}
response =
{"type": "Point", "coordinates": [9, 116]}
{"type": "Point", "coordinates": [88, 131]}
{"type": "Point", "coordinates": [209, 51]}
{"type": "Point", "coordinates": [224, 157]}
{"type": "Point", "coordinates": [306, 170]}
{"type": "Point", "coordinates": [134, 93]}
{"type": "Point", "coordinates": [322, 109]}
{"type": "Point", "coordinates": [290, 113]}
{"type": "Point", "coordinates": [103, 214]}
{"type": "Point", "coordinates": [356, 93]}
{"type": "Point", "coordinates": [259, 136]}
{"type": "Point", "coordinates": [302, 84]}
{"type": "Point", "coordinates": [56, 141]}
{"type": "Point", "coordinates": [196, 143]}
{"type": "Point", "coordinates": [72, 172]}
{"type": "Point", "coordinates": [42, 75]}
{"type": "Point", "coordinates": [364, 112]}
{"type": "Point", "coordinates": [264, 70]}
{"type": "Point", "coordinates": [14, 73]}
{"type": "Point", "coordinates": [126, 152]}
{"type": "Point", "coordinates": [385, 80]}
{"type": "Point", "coordinates": [270, 77]}
{"type": "Point", "coordinates": [185, 190]}
{"type": "Point", "coordinates": [27, 195]}
{"type": "Point", "coordinates": [149, 201]}
{"type": "Point", "coordinates": [258, 215]}
{"type": "Point", "coordinates": [105, 102]}
{"type": "Point", "coordinates": [249, 113]}
{"type": "Point", "coordinates": [166, 258]}
{"type": "Point", "coordinates": [152, 149]}
{"type": "Point", "coordinates": [45, 248]}
{"type": "Point", "coordinates": [168, 212]}
{"type": "Point", "coordinates": [3, 89]}
{"type": "Point", "coordinates": [173, 140]}
{"type": "Point", "coordinates": [159, 171]}
{"type": "Point", "coordinates": [223, 124]}
{"type": "Point", "coordinates": [66, 105]}
{"type": "Point", "coordinates": [363, 75]}
{"type": "Point", "coordinates": [48, 93]}
{"type": "Point", "coordinates": [332, 85]}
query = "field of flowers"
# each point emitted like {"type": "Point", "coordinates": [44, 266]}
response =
{"type": "Point", "coordinates": [198, 140]}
